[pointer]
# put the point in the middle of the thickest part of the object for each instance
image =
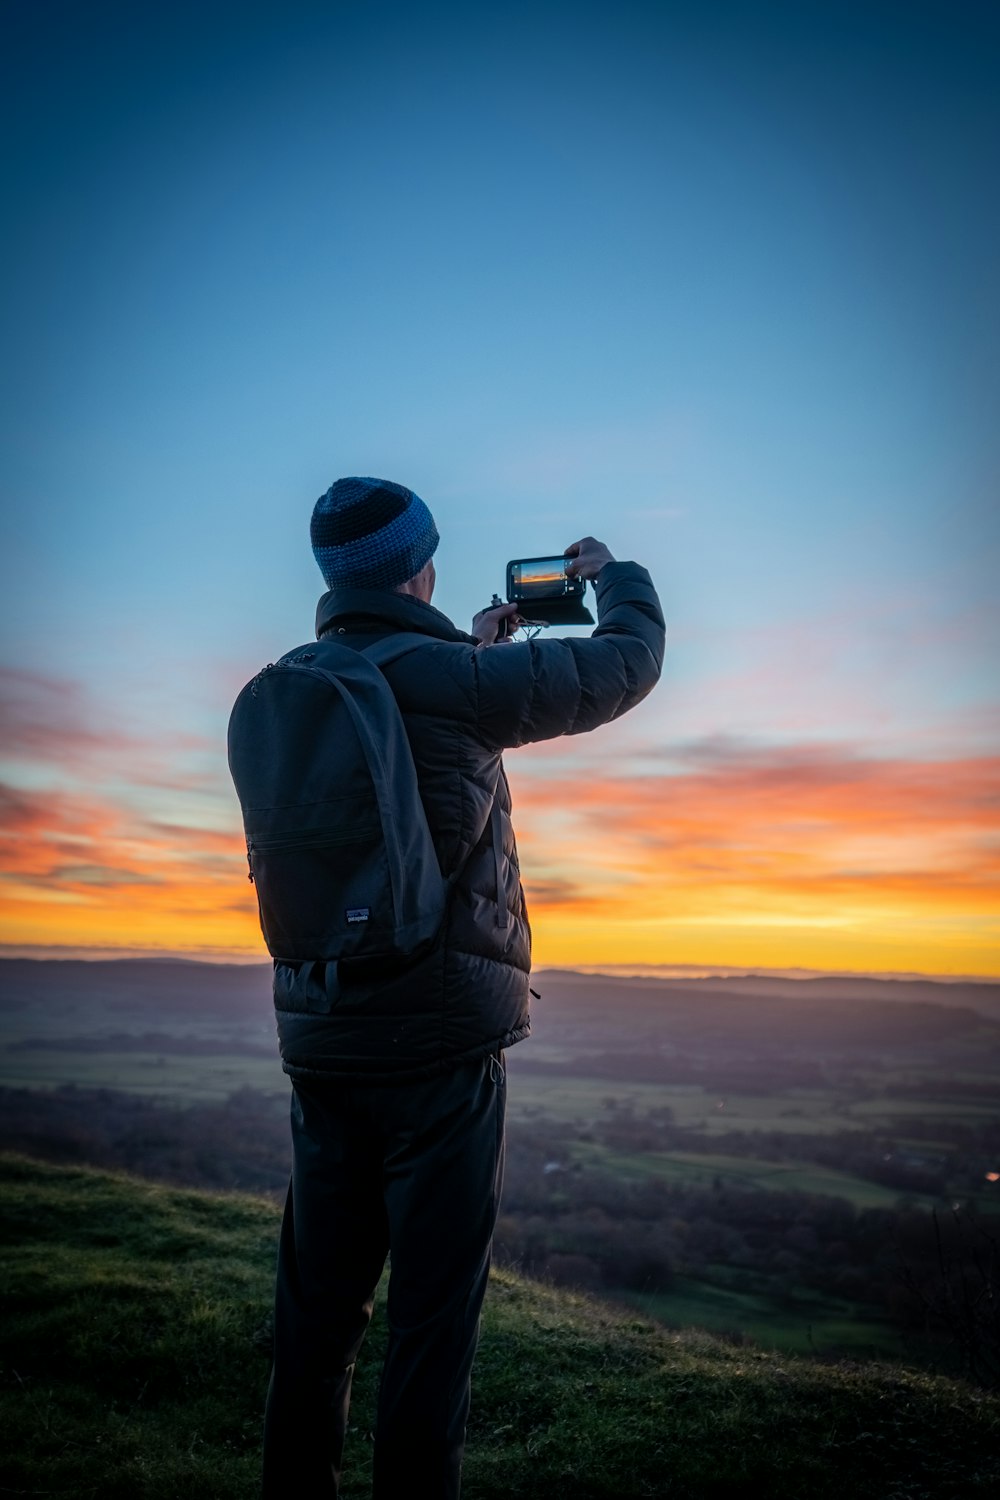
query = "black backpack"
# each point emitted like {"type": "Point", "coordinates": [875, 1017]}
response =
{"type": "Point", "coordinates": [337, 838]}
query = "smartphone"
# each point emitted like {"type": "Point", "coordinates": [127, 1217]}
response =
{"type": "Point", "coordinates": [538, 578]}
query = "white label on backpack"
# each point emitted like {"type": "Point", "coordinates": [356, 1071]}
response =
{"type": "Point", "coordinates": [358, 913]}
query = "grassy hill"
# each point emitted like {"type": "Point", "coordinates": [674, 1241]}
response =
{"type": "Point", "coordinates": [134, 1364]}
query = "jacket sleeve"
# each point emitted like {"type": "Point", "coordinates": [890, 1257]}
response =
{"type": "Point", "coordinates": [538, 689]}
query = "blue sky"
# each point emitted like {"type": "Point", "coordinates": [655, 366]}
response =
{"type": "Point", "coordinates": [717, 284]}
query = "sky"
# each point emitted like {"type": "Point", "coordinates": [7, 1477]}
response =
{"type": "Point", "coordinates": [715, 284]}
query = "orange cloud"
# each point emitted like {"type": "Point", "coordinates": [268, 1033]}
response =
{"type": "Point", "coordinates": [719, 853]}
{"type": "Point", "coordinates": [84, 871]}
{"type": "Point", "coordinates": [89, 854]}
{"type": "Point", "coordinates": [815, 857]}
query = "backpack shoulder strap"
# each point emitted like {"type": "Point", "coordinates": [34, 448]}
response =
{"type": "Point", "coordinates": [391, 647]}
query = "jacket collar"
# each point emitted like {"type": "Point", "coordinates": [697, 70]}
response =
{"type": "Point", "coordinates": [385, 611]}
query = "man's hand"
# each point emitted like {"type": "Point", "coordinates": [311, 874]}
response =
{"type": "Point", "coordinates": [589, 557]}
{"type": "Point", "coordinates": [491, 623]}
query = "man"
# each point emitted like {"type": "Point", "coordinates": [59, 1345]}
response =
{"type": "Point", "coordinates": [398, 1072]}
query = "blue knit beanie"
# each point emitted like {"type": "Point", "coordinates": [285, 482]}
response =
{"type": "Point", "coordinates": [371, 534]}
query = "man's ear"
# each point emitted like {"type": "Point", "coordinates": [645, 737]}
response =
{"type": "Point", "coordinates": [421, 585]}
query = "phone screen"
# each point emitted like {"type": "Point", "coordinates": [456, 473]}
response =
{"type": "Point", "coordinates": [538, 577]}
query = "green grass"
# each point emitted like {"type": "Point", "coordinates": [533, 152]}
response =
{"type": "Point", "coordinates": [128, 1364]}
{"type": "Point", "coordinates": [131, 1368]}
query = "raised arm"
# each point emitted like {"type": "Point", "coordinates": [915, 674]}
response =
{"type": "Point", "coordinates": [540, 689]}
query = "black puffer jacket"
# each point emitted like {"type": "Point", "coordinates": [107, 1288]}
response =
{"type": "Point", "coordinates": [462, 707]}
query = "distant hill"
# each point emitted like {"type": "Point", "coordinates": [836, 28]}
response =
{"type": "Point", "coordinates": [134, 1363]}
{"type": "Point", "coordinates": [233, 990]}
{"type": "Point", "coordinates": [154, 1024]}
{"type": "Point", "coordinates": [834, 989]}
{"type": "Point", "coordinates": [766, 1017]}
{"type": "Point", "coordinates": [121, 985]}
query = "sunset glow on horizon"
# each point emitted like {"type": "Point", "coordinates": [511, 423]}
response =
{"type": "Point", "coordinates": [810, 857]}
{"type": "Point", "coordinates": [719, 289]}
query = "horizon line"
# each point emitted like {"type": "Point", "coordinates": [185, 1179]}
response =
{"type": "Point", "coordinates": [56, 953]}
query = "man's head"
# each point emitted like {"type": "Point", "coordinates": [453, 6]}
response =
{"type": "Point", "coordinates": [373, 534]}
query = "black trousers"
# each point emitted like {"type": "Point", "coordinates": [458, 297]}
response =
{"type": "Point", "coordinates": [414, 1169]}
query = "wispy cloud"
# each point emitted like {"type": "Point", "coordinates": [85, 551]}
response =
{"type": "Point", "coordinates": [108, 836]}
{"type": "Point", "coordinates": [85, 869]}
{"type": "Point", "coordinates": [51, 721]}
{"type": "Point", "coordinates": [740, 836]}
{"type": "Point", "coordinates": [48, 719]}
{"type": "Point", "coordinates": [803, 806]}
{"type": "Point", "coordinates": [714, 849]}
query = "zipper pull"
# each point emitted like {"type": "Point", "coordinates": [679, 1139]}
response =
{"type": "Point", "coordinates": [250, 861]}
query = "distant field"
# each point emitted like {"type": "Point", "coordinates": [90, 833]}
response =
{"type": "Point", "coordinates": [188, 1077]}
{"type": "Point", "coordinates": [796, 1111]}
{"type": "Point", "coordinates": [700, 1169]}
{"type": "Point", "coordinates": [801, 1325]}
{"type": "Point", "coordinates": [957, 1107]}
{"type": "Point", "coordinates": [581, 1098]}
{"type": "Point", "coordinates": [147, 1029]}
{"type": "Point", "coordinates": [798, 1057]}
{"type": "Point", "coordinates": [184, 1079]}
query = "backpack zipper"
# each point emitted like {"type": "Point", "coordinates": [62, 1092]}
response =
{"type": "Point", "coordinates": [317, 838]}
